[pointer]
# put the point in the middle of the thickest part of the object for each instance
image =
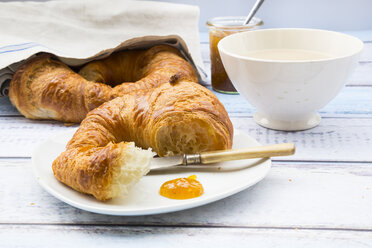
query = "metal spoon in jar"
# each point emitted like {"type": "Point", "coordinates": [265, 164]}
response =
{"type": "Point", "coordinates": [256, 6]}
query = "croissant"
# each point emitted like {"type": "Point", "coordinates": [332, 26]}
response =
{"type": "Point", "coordinates": [174, 118]}
{"type": "Point", "coordinates": [44, 88]}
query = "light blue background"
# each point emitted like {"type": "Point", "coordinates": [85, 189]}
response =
{"type": "Point", "coordinates": [339, 15]}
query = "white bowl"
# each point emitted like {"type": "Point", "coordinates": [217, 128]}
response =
{"type": "Point", "coordinates": [288, 93]}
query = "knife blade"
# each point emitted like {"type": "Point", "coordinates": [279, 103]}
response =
{"type": "Point", "coordinates": [166, 162]}
{"type": "Point", "coordinates": [224, 155]}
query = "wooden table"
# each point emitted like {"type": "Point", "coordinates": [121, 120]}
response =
{"type": "Point", "coordinates": [321, 197]}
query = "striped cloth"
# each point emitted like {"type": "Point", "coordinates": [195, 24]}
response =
{"type": "Point", "coordinates": [79, 31]}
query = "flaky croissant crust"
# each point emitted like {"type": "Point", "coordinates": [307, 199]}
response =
{"type": "Point", "coordinates": [44, 88]}
{"type": "Point", "coordinates": [163, 109]}
{"type": "Point", "coordinates": [171, 119]}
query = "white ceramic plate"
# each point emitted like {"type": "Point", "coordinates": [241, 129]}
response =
{"type": "Point", "coordinates": [219, 181]}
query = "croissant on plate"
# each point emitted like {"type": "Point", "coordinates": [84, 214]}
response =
{"type": "Point", "coordinates": [44, 88]}
{"type": "Point", "coordinates": [177, 117]}
{"type": "Point", "coordinates": [145, 98]}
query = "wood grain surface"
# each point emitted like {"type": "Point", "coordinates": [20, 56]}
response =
{"type": "Point", "coordinates": [320, 197]}
{"type": "Point", "coordinates": [147, 236]}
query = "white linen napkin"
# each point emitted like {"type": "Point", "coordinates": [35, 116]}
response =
{"type": "Point", "coordinates": [79, 31]}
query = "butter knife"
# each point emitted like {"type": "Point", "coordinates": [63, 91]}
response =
{"type": "Point", "coordinates": [284, 149]}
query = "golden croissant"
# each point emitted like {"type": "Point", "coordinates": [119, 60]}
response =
{"type": "Point", "coordinates": [174, 118]}
{"type": "Point", "coordinates": [163, 109]}
{"type": "Point", "coordinates": [44, 88]}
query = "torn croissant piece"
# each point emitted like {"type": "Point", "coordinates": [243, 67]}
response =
{"type": "Point", "coordinates": [104, 172]}
{"type": "Point", "coordinates": [44, 88]}
{"type": "Point", "coordinates": [174, 118]}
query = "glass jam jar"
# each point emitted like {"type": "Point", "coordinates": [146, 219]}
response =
{"type": "Point", "coordinates": [220, 27]}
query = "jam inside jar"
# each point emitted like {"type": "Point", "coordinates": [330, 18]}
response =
{"type": "Point", "coordinates": [220, 27]}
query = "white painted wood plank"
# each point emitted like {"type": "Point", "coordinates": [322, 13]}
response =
{"type": "Point", "coordinates": [362, 75]}
{"type": "Point", "coordinates": [118, 236]}
{"type": "Point", "coordinates": [291, 196]}
{"type": "Point", "coordinates": [332, 140]}
{"type": "Point", "coordinates": [19, 136]}
{"type": "Point", "coordinates": [367, 52]}
{"type": "Point", "coordinates": [6, 107]}
{"type": "Point", "coordinates": [351, 102]}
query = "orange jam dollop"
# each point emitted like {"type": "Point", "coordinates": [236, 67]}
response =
{"type": "Point", "coordinates": [182, 188]}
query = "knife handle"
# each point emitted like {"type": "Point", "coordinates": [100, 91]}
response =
{"type": "Point", "coordinates": [245, 153]}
